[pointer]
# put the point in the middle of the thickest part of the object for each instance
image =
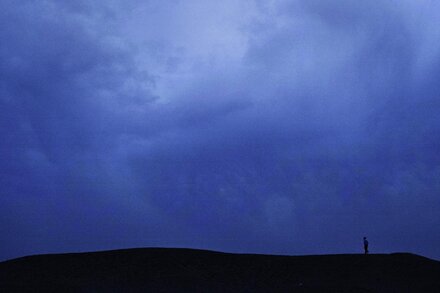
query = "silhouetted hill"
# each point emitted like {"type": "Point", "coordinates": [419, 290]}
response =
{"type": "Point", "coordinates": [187, 270]}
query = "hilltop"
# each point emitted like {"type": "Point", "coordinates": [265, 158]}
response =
{"type": "Point", "coordinates": [189, 270]}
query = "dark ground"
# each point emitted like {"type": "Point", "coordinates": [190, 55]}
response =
{"type": "Point", "coordinates": [187, 270]}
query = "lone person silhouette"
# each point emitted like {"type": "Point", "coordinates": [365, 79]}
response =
{"type": "Point", "coordinates": [365, 245]}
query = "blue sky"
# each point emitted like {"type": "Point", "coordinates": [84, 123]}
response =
{"type": "Point", "coordinates": [284, 127]}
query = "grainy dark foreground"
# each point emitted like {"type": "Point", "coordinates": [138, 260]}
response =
{"type": "Point", "coordinates": [187, 270]}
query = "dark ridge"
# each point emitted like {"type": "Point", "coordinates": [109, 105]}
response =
{"type": "Point", "coordinates": [189, 270]}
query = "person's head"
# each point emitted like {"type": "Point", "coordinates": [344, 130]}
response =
{"type": "Point", "coordinates": [365, 238]}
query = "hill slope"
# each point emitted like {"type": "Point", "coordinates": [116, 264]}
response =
{"type": "Point", "coordinates": [187, 270]}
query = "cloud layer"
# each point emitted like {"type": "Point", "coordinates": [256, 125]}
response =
{"type": "Point", "coordinates": [254, 126]}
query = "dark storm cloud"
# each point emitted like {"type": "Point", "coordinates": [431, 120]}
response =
{"type": "Point", "coordinates": [126, 125]}
{"type": "Point", "coordinates": [62, 89]}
